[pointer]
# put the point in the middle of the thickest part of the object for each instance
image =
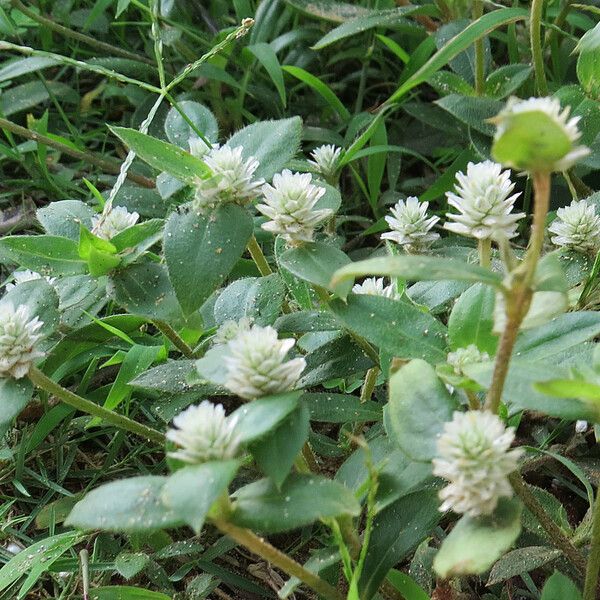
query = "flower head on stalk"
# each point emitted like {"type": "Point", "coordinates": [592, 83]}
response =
{"type": "Point", "coordinates": [577, 226]}
{"type": "Point", "coordinates": [410, 226]}
{"type": "Point", "coordinates": [112, 221]}
{"type": "Point", "coordinates": [484, 200]}
{"type": "Point", "coordinates": [325, 160]}
{"type": "Point", "coordinates": [462, 357]}
{"type": "Point", "coordinates": [19, 337]}
{"type": "Point", "coordinates": [474, 456]}
{"type": "Point", "coordinates": [373, 286]}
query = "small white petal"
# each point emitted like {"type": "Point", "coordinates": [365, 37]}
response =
{"type": "Point", "coordinates": [375, 287]}
{"type": "Point", "coordinates": [26, 275]}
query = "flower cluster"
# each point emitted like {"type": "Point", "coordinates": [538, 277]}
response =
{"type": "Point", "coordinates": [289, 203]}
{"type": "Point", "coordinates": [484, 201]}
{"type": "Point", "coordinates": [410, 226]}
{"type": "Point", "coordinates": [462, 357]}
{"type": "Point", "coordinates": [232, 177]}
{"type": "Point", "coordinates": [474, 455]}
{"type": "Point", "coordinates": [325, 160]}
{"type": "Point", "coordinates": [257, 366]}
{"type": "Point", "coordinates": [203, 433]}
{"type": "Point", "coordinates": [26, 275]}
{"type": "Point", "coordinates": [113, 221]}
{"type": "Point", "coordinates": [373, 286]}
{"type": "Point", "coordinates": [230, 329]}
{"type": "Point", "coordinates": [577, 226]}
{"type": "Point", "coordinates": [19, 336]}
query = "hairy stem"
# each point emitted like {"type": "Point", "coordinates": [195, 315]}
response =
{"type": "Point", "coordinates": [110, 166]}
{"type": "Point", "coordinates": [485, 253]}
{"type": "Point", "coordinates": [174, 338]}
{"type": "Point", "coordinates": [535, 37]}
{"type": "Point", "coordinates": [593, 564]}
{"type": "Point", "coordinates": [479, 52]}
{"type": "Point", "coordinates": [266, 551]}
{"type": "Point", "coordinates": [258, 257]}
{"type": "Point", "coordinates": [558, 538]}
{"type": "Point", "coordinates": [121, 421]}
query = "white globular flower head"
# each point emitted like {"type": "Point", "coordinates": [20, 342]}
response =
{"type": "Point", "coordinates": [474, 456]}
{"type": "Point", "coordinates": [289, 203]}
{"type": "Point", "coordinates": [232, 178]}
{"type": "Point", "coordinates": [410, 226]}
{"type": "Point", "coordinates": [26, 275]}
{"type": "Point", "coordinates": [462, 357]}
{"type": "Point", "coordinates": [229, 329]}
{"type": "Point", "coordinates": [373, 286]}
{"type": "Point", "coordinates": [325, 160]}
{"type": "Point", "coordinates": [257, 366]}
{"type": "Point", "coordinates": [484, 201]}
{"type": "Point", "coordinates": [112, 221]}
{"type": "Point", "coordinates": [577, 226]}
{"type": "Point", "coordinates": [203, 433]}
{"type": "Point", "coordinates": [19, 337]}
{"type": "Point", "coordinates": [545, 135]}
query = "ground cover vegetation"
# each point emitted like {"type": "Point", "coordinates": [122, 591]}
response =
{"type": "Point", "coordinates": [299, 299]}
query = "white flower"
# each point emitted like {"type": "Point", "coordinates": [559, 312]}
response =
{"type": "Point", "coordinates": [552, 149]}
{"type": "Point", "coordinates": [483, 199]}
{"type": "Point", "coordinates": [204, 433]}
{"type": "Point", "coordinates": [474, 456]}
{"type": "Point", "coordinates": [231, 180]}
{"type": "Point", "coordinates": [462, 357]}
{"type": "Point", "coordinates": [289, 202]}
{"type": "Point", "coordinates": [18, 340]}
{"type": "Point", "coordinates": [410, 226]}
{"type": "Point", "coordinates": [581, 426]}
{"type": "Point", "coordinates": [375, 287]}
{"type": "Point", "coordinates": [198, 147]}
{"type": "Point", "coordinates": [230, 329]}
{"type": "Point", "coordinates": [256, 364]}
{"type": "Point", "coordinates": [113, 221]}
{"type": "Point", "coordinates": [26, 275]}
{"type": "Point", "coordinates": [577, 226]}
{"type": "Point", "coordinates": [325, 160]}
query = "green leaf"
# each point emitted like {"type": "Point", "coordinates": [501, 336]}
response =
{"type": "Point", "coordinates": [472, 111]}
{"type": "Point", "coordinates": [46, 254]}
{"type": "Point", "coordinates": [163, 156]}
{"type": "Point", "coordinates": [65, 217]}
{"type": "Point", "coordinates": [406, 585]}
{"type": "Point", "coordinates": [178, 130]}
{"type": "Point", "coordinates": [506, 80]}
{"type": "Point", "coordinates": [560, 587]}
{"type": "Point", "coordinates": [276, 452]}
{"type": "Point", "coordinates": [14, 397]}
{"type": "Point", "coordinates": [476, 30]}
{"type": "Point", "coordinates": [571, 388]}
{"type": "Point", "coordinates": [302, 500]}
{"type": "Point", "coordinates": [316, 263]}
{"type": "Point", "coordinates": [99, 253]}
{"type": "Point", "coordinates": [268, 59]}
{"type": "Point", "coordinates": [36, 560]}
{"type": "Point", "coordinates": [472, 320]}
{"type": "Point", "coordinates": [396, 531]}
{"type": "Point", "coordinates": [129, 564]}
{"type": "Point", "coordinates": [415, 268]}
{"type": "Point", "coordinates": [419, 405]}
{"type": "Point", "coordinates": [394, 326]}
{"type": "Point", "coordinates": [125, 592]}
{"type": "Point", "coordinates": [476, 543]}
{"type": "Point", "coordinates": [131, 505]}
{"type": "Point", "coordinates": [201, 249]}
{"type": "Point", "coordinates": [375, 18]}
{"type": "Point", "coordinates": [340, 408]}
{"type": "Point", "coordinates": [321, 88]}
{"type": "Point", "coordinates": [192, 490]}
{"type": "Point", "coordinates": [522, 560]}
{"type": "Point", "coordinates": [272, 143]}
{"type": "Point", "coordinates": [329, 10]}
{"type": "Point", "coordinates": [259, 417]}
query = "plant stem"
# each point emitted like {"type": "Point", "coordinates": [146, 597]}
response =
{"type": "Point", "coordinates": [485, 253]}
{"type": "Point", "coordinates": [593, 564]}
{"type": "Point", "coordinates": [174, 338]}
{"type": "Point", "coordinates": [479, 52]}
{"type": "Point", "coordinates": [121, 421]}
{"type": "Point", "coordinates": [558, 538]}
{"type": "Point", "coordinates": [258, 257]}
{"type": "Point", "coordinates": [282, 561]}
{"type": "Point", "coordinates": [518, 298]}
{"type": "Point", "coordinates": [535, 37]}
{"type": "Point", "coordinates": [80, 37]}
{"type": "Point", "coordinates": [109, 166]}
